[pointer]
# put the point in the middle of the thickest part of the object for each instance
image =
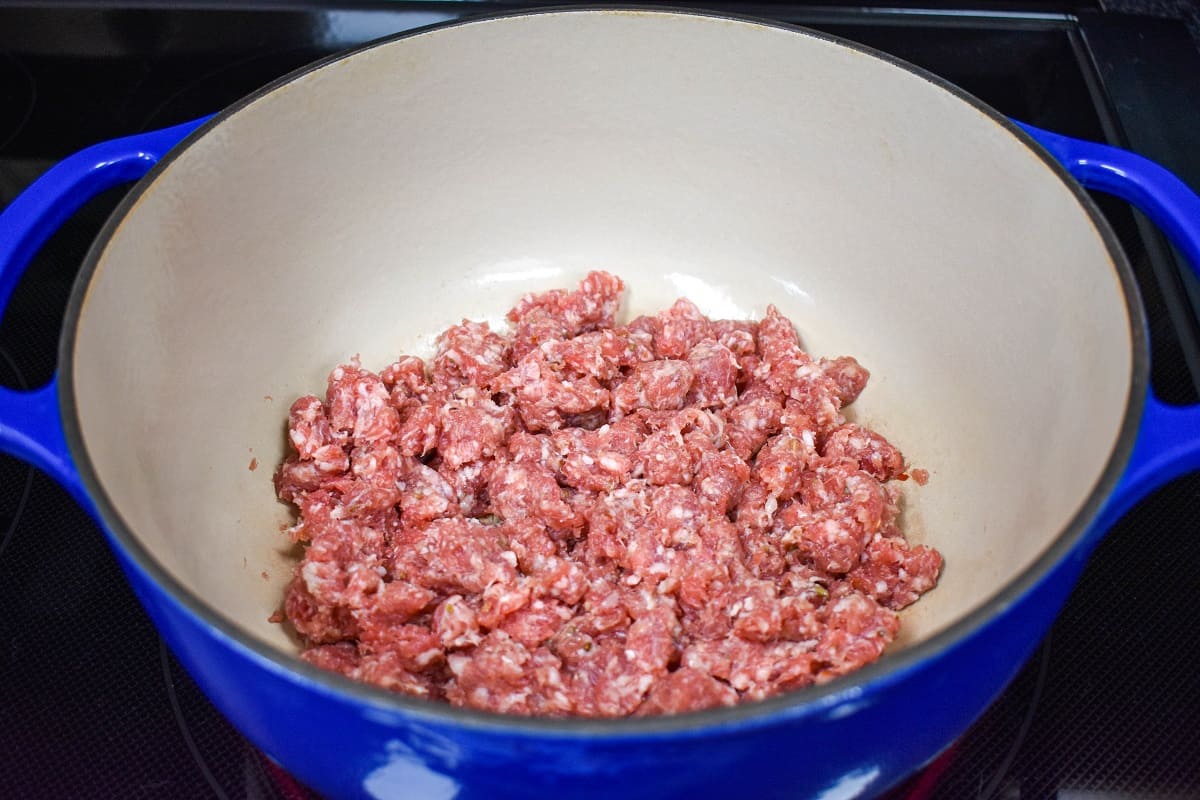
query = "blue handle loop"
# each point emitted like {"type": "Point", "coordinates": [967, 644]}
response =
{"type": "Point", "coordinates": [30, 423]}
{"type": "Point", "coordinates": [1168, 443]}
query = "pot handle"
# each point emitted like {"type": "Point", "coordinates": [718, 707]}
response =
{"type": "Point", "coordinates": [30, 422]}
{"type": "Point", "coordinates": [1168, 443]}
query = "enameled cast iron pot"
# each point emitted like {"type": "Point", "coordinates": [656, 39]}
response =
{"type": "Point", "coordinates": [372, 199]}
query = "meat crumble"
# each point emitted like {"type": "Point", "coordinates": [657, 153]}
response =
{"type": "Point", "coordinates": [579, 518]}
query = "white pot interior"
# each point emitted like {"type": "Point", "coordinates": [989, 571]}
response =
{"type": "Point", "coordinates": [368, 204]}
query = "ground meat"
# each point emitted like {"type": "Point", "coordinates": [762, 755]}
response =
{"type": "Point", "coordinates": [686, 689]}
{"type": "Point", "coordinates": [870, 451]}
{"type": "Point", "coordinates": [657, 385]}
{"type": "Point", "coordinates": [469, 355]}
{"type": "Point", "coordinates": [576, 518]}
{"type": "Point", "coordinates": [715, 368]}
{"type": "Point", "coordinates": [681, 327]}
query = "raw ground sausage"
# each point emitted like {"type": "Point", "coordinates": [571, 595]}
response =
{"type": "Point", "coordinates": [580, 518]}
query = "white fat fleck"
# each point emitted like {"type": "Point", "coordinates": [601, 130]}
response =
{"type": "Point", "coordinates": [748, 604]}
{"type": "Point", "coordinates": [427, 657]}
{"type": "Point", "coordinates": [880, 587]}
{"type": "Point", "coordinates": [588, 460]}
{"type": "Point", "coordinates": [804, 370]}
{"type": "Point", "coordinates": [630, 654]}
{"type": "Point", "coordinates": [771, 506]}
{"type": "Point", "coordinates": [382, 571]}
{"type": "Point", "coordinates": [610, 463]}
{"type": "Point", "coordinates": [510, 557]}
{"type": "Point", "coordinates": [735, 609]}
{"type": "Point", "coordinates": [297, 438]}
{"type": "Point", "coordinates": [678, 512]}
{"type": "Point", "coordinates": [309, 573]}
{"type": "Point", "coordinates": [633, 580]}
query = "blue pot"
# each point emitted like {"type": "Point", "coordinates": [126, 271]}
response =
{"type": "Point", "coordinates": [855, 736]}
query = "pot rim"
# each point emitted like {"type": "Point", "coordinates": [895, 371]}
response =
{"type": "Point", "coordinates": [803, 703]}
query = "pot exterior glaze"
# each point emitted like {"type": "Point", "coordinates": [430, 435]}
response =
{"type": "Point", "coordinates": [854, 743]}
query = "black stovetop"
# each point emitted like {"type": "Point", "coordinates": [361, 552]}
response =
{"type": "Point", "coordinates": [91, 702]}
